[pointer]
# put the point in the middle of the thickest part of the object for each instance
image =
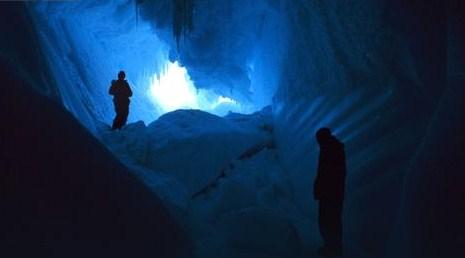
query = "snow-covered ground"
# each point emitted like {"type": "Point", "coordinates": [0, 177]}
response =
{"type": "Point", "coordinates": [222, 179]}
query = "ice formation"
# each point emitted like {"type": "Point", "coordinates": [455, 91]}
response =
{"type": "Point", "coordinates": [386, 76]}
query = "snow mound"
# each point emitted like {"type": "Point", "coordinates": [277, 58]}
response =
{"type": "Point", "coordinates": [250, 213]}
{"type": "Point", "coordinates": [196, 146]}
{"type": "Point", "coordinates": [191, 146]}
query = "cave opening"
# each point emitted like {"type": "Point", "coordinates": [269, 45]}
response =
{"type": "Point", "coordinates": [88, 43]}
{"type": "Point", "coordinates": [188, 178]}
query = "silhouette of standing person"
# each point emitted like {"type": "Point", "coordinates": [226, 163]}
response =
{"type": "Point", "coordinates": [121, 92]}
{"type": "Point", "coordinates": [329, 191]}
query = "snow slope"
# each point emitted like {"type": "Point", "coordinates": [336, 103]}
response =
{"type": "Point", "coordinates": [63, 194]}
{"type": "Point", "coordinates": [222, 179]}
{"type": "Point", "coordinates": [191, 146]}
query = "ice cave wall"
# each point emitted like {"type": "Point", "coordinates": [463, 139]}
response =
{"type": "Point", "coordinates": [86, 43]}
{"type": "Point", "coordinates": [373, 71]}
{"type": "Point", "coordinates": [234, 48]}
{"type": "Point", "coordinates": [53, 204]}
{"type": "Point", "coordinates": [386, 76]}
{"type": "Point", "coordinates": [377, 73]}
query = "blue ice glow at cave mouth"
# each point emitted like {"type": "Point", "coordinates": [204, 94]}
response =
{"type": "Point", "coordinates": [87, 44]}
{"type": "Point", "coordinates": [173, 89]}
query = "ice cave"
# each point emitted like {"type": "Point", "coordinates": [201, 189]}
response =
{"type": "Point", "coordinates": [218, 156]}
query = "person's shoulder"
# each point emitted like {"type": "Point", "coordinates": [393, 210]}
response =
{"type": "Point", "coordinates": [120, 82]}
{"type": "Point", "coordinates": [340, 143]}
{"type": "Point", "coordinates": [336, 142]}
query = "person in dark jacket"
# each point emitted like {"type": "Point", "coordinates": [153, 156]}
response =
{"type": "Point", "coordinates": [121, 92]}
{"type": "Point", "coordinates": [329, 189]}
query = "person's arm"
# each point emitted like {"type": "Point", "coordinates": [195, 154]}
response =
{"type": "Point", "coordinates": [111, 91]}
{"type": "Point", "coordinates": [128, 90]}
{"type": "Point", "coordinates": [316, 189]}
{"type": "Point", "coordinates": [317, 183]}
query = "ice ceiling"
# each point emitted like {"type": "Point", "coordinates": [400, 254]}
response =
{"type": "Point", "coordinates": [217, 67]}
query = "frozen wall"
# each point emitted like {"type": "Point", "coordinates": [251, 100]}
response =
{"type": "Point", "coordinates": [235, 49]}
{"type": "Point", "coordinates": [375, 72]}
{"type": "Point", "coordinates": [386, 76]}
{"type": "Point", "coordinates": [86, 44]}
{"type": "Point", "coordinates": [63, 194]}
{"type": "Point", "coordinates": [434, 193]}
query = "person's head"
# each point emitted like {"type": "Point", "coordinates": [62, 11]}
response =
{"type": "Point", "coordinates": [121, 75]}
{"type": "Point", "coordinates": [323, 135]}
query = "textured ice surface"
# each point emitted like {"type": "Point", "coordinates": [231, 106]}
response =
{"type": "Point", "coordinates": [191, 145]}
{"type": "Point", "coordinates": [221, 178]}
{"type": "Point", "coordinates": [385, 75]}
{"type": "Point", "coordinates": [364, 69]}
{"type": "Point", "coordinates": [88, 42]}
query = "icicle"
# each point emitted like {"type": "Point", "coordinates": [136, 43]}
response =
{"type": "Point", "coordinates": [182, 18]}
{"type": "Point", "coordinates": [138, 2]}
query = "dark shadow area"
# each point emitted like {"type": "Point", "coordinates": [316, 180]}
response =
{"type": "Point", "coordinates": [64, 195]}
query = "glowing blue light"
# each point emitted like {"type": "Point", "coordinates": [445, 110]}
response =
{"type": "Point", "coordinates": [224, 100]}
{"type": "Point", "coordinates": [173, 89]}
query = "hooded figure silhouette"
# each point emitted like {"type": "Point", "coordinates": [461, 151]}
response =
{"type": "Point", "coordinates": [329, 189]}
{"type": "Point", "coordinates": [121, 92]}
